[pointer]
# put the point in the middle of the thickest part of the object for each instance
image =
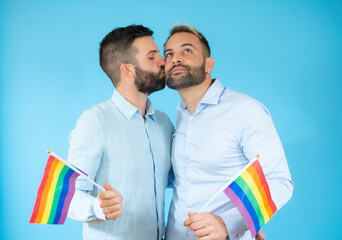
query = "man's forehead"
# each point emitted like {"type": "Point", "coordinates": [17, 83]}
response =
{"type": "Point", "coordinates": [182, 39]}
{"type": "Point", "coordinates": [145, 44]}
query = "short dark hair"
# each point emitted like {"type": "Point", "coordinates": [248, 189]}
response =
{"type": "Point", "coordinates": [116, 48]}
{"type": "Point", "coordinates": [186, 28]}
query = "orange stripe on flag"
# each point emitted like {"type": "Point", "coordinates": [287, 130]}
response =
{"type": "Point", "coordinates": [253, 172]}
{"type": "Point", "coordinates": [260, 172]}
{"type": "Point", "coordinates": [46, 191]}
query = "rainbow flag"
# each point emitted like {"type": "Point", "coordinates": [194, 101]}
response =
{"type": "Point", "coordinates": [251, 195]}
{"type": "Point", "coordinates": [55, 193]}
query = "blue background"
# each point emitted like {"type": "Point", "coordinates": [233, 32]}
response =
{"type": "Point", "coordinates": [286, 54]}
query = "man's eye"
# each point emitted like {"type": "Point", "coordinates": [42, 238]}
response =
{"type": "Point", "coordinates": [151, 58]}
{"type": "Point", "coordinates": [187, 50]}
{"type": "Point", "coordinates": [168, 55]}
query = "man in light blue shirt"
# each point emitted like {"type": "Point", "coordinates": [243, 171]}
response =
{"type": "Point", "coordinates": [124, 144]}
{"type": "Point", "coordinates": [218, 132]}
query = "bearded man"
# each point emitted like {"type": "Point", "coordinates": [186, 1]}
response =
{"type": "Point", "coordinates": [124, 144]}
{"type": "Point", "coordinates": [218, 132]}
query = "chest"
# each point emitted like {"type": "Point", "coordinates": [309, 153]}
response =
{"type": "Point", "coordinates": [207, 142]}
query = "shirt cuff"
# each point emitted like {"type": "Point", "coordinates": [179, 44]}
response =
{"type": "Point", "coordinates": [235, 223]}
{"type": "Point", "coordinates": [98, 210]}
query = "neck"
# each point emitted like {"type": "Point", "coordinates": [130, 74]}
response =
{"type": "Point", "coordinates": [133, 96]}
{"type": "Point", "coordinates": [193, 95]}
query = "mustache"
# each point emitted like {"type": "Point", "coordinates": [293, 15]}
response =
{"type": "Point", "coordinates": [179, 65]}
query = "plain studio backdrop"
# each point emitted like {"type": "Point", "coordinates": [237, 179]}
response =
{"type": "Point", "coordinates": [286, 54]}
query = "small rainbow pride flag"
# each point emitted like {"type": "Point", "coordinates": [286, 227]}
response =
{"type": "Point", "coordinates": [251, 195]}
{"type": "Point", "coordinates": [55, 193]}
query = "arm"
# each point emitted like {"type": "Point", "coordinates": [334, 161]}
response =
{"type": "Point", "coordinates": [85, 152]}
{"type": "Point", "coordinates": [257, 135]}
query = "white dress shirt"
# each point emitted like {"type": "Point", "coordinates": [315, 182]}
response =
{"type": "Point", "coordinates": [210, 146]}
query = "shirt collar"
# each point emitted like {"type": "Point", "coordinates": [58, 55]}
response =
{"type": "Point", "coordinates": [211, 97]}
{"type": "Point", "coordinates": [127, 109]}
{"type": "Point", "coordinates": [150, 109]}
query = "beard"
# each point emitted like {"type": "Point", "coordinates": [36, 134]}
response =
{"type": "Point", "coordinates": [148, 82]}
{"type": "Point", "coordinates": [193, 77]}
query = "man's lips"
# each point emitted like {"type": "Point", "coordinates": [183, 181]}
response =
{"type": "Point", "coordinates": [178, 69]}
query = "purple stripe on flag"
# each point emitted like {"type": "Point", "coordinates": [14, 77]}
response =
{"type": "Point", "coordinates": [236, 200]}
{"type": "Point", "coordinates": [63, 195]}
{"type": "Point", "coordinates": [68, 198]}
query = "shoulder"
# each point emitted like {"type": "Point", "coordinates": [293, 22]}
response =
{"type": "Point", "coordinates": [242, 103]}
{"type": "Point", "coordinates": [96, 112]}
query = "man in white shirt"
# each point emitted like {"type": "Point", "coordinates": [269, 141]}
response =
{"type": "Point", "coordinates": [218, 132]}
{"type": "Point", "coordinates": [124, 144]}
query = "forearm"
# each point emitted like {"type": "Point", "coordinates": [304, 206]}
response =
{"type": "Point", "coordinates": [85, 207]}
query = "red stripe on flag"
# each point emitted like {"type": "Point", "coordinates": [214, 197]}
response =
{"type": "Point", "coordinates": [41, 189]}
{"type": "Point", "coordinates": [258, 168]}
{"type": "Point", "coordinates": [46, 190]}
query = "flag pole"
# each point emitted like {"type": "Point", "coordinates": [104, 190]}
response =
{"type": "Point", "coordinates": [228, 183]}
{"type": "Point", "coordinates": [75, 169]}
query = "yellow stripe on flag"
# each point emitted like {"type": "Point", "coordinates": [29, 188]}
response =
{"type": "Point", "coordinates": [52, 193]}
{"type": "Point", "coordinates": [250, 181]}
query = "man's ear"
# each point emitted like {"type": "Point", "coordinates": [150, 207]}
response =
{"type": "Point", "coordinates": [209, 65]}
{"type": "Point", "coordinates": [127, 70]}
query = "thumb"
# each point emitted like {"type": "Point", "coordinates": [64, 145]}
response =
{"type": "Point", "coordinates": [191, 214]}
{"type": "Point", "coordinates": [108, 187]}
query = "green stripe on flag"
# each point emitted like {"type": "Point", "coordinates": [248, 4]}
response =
{"type": "Point", "coordinates": [246, 189]}
{"type": "Point", "coordinates": [58, 191]}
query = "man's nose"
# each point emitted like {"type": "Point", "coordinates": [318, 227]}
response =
{"type": "Point", "coordinates": [177, 59]}
{"type": "Point", "coordinates": [161, 61]}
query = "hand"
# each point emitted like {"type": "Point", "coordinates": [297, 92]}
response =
{"type": "Point", "coordinates": [260, 235]}
{"type": "Point", "coordinates": [110, 202]}
{"type": "Point", "coordinates": [206, 226]}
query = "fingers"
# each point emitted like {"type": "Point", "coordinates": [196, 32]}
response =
{"type": "Point", "coordinates": [190, 214]}
{"type": "Point", "coordinates": [107, 187]}
{"type": "Point", "coordinates": [109, 194]}
{"type": "Point", "coordinates": [110, 201]}
{"type": "Point", "coordinates": [193, 217]}
{"type": "Point", "coordinates": [260, 235]}
{"type": "Point", "coordinates": [114, 215]}
{"type": "Point", "coordinates": [206, 226]}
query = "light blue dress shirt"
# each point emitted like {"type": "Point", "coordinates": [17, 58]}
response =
{"type": "Point", "coordinates": [113, 143]}
{"type": "Point", "coordinates": [210, 146]}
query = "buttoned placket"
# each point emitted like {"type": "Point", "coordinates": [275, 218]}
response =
{"type": "Point", "coordinates": [188, 166]}
{"type": "Point", "coordinates": [146, 120]}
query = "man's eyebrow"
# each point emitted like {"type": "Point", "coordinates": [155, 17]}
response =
{"type": "Point", "coordinates": [188, 44]}
{"type": "Point", "coordinates": [152, 51]}
{"type": "Point", "coordinates": [167, 50]}
{"type": "Point", "coordinates": [183, 45]}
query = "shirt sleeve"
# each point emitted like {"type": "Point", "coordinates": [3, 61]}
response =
{"type": "Point", "coordinates": [85, 152]}
{"type": "Point", "coordinates": [257, 136]}
{"type": "Point", "coordinates": [235, 223]}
